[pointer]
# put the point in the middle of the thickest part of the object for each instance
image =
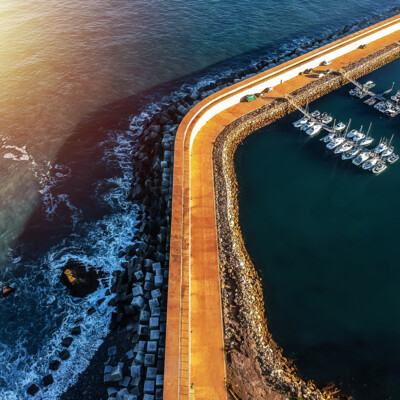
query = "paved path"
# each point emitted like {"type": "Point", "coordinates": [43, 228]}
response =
{"type": "Point", "coordinates": [195, 363]}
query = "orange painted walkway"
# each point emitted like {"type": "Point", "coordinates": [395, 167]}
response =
{"type": "Point", "coordinates": [194, 362]}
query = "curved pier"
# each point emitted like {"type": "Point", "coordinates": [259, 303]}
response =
{"type": "Point", "coordinates": [195, 366]}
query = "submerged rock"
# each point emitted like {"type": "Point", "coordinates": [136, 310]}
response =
{"type": "Point", "coordinates": [79, 279]}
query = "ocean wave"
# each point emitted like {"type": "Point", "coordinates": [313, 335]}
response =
{"type": "Point", "coordinates": [41, 310]}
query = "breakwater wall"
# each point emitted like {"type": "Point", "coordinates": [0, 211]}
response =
{"type": "Point", "coordinates": [254, 361]}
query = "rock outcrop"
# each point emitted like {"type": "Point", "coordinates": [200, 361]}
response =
{"type": "Point", "coordinates": [79, 279]}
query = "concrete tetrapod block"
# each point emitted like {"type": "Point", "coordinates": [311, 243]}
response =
{"type": "Point", "coordinates": [111, 391]}
{"type": "Point", "coordinates": [152, 347]}
{"type": "Point", "coordinates": [149, 277]}
{"type": "Point", "coordinates": [142, 345]}
{"type": "Point", "coordinates": [155, 311]}
{"type": "Point", "coordinates": [112, 351]}
{"type": "Point", "coordinates": [156, 294]}
{"type": "Point", "coordinates": [154, 303]}
{"type": "Point", "coordinates": [158, 281]}
{"type": "Point", "coordinates": [144, 316]}
{"type": "Point", "coordinates": [139, 275]}
{"type": "Point", "coordinates": [154, 323]}
{"type": "Point", "coordinates": [140, 357]}
{"type": "Point", "coordinates": [154, 334]}
{"type": "Point", "coordinates": [136, 371]}
{"type": "Point", "coordinates": [138, 302]}
{"type": "Point", "coordinates": [151, 373]}
{"type": "Point", "coordinates": [116, 373]}
{"type": "Point", "coordinates": [143, 330]}
{"type": "Point", "coordinates": [159, 380]}
{"type": "Point", "coordinates": [125, 382]}
{"type": "Point", "coordinates": [149, 360]}
{"type": "Point", "coordinates": [137, 291]}
{"type": "Point", "coordinates": [149, 386]}
{"type": "Point", "coordinates": [122, 393]}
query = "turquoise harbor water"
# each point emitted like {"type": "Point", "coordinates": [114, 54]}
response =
{"type": "Point", "coordinates": [325, 236]}
{"type": "Point", "coordinates": [78, 80]}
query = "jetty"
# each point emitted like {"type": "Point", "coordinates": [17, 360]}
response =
{"type": "Point", "coordinates": [212, 281]}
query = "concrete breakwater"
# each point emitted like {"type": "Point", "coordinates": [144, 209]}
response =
{"type": "Point", "coordinates": [141, 286]}
{"type": "Point", "coordinates": [255, 364]}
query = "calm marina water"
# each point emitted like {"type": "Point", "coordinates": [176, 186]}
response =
{"type": "Point", "coordinates": [324, 235]}
{"type": "Point", "coordinates": [68, 72]}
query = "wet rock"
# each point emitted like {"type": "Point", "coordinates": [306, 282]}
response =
{"type": "Point", "coordinates": [79, 279]}
{"type": "Point", "coordinates": [54, 365]}
{"type": "Point", "coordinates": [32, 390]}
{"type": "Point", "coordinates": [48, 380]}
{"type": "Point", "coordinates": [7, 291]}
{"type": "Point", "coordinates": [66, 342]}
{"type": "Point", "coordinates": [76, 330]}
{"type": "Point", "coordinates": [64, 355]}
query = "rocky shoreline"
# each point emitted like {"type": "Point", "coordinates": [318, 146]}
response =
{"type": "Point", "coordinates": [256, 367]}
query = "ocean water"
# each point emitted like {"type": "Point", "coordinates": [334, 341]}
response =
{"type": "Point", "coordinates": [324, 236]}
{"type": "Point", "coordinates": [77, 80]}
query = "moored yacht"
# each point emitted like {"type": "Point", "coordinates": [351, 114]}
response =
{"type": "Point", "coordinates": [339, 126]}
{"type": "Point", "coordinates": [300, 122]}
{"type": "Point", "coordinates": [366, 141]}
{"type": "Point", "coordinates": [370, 163]}
{"type": "Point", "coordinates": [315, 114]}
{"type": "Point", "coordinates": [315, 129]}
{"type": "Point", "coordinates": [362, 157]}
{"type": "Point", "coordinates": [358, 136]}
{"type": "Point", "coordinates": [351, 134]}
{"type": "Point", "coordinates": [381, 147]}
{"type": "Point", "coordinates": [326, 119]}
{"type": "Point", "coordinates": [388, 151]}
{"type": "Point", "coordinates": [335, 143]}
{"type": "Point", "coordinates": [379, 168]}
{"type": "Point", "coordinates": [307, 125]}
{"type": "Point", "coordinates": [392, 158]}
{"type": "Point", "coordinates": [369, 85]}
{"type": "Point", "coordinates": [328, 138]}
{"type": "Point", "coordinates": [352, 153]}
{"type": "Point", "coordinates": [344, 147]}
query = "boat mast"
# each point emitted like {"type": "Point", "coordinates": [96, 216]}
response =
{"type": "Point", "coordinates": [369, 129]}
{"type": "Point", "coordinates": [347, 128]}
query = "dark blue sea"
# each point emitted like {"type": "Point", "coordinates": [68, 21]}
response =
{"type": "Point", "coordinates": [324, 235]}
{"type": "Point", "coordinates": [78, 78]}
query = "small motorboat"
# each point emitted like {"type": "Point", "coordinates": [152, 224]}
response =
{"type": "Point", "coordinates": [300, 122]}
{"type": "Point", "coordinates": [340, 126]}
{"type": "Point", "coordinates": [379, 168]}
{"type": "Point", "coordinates": [315, 114]}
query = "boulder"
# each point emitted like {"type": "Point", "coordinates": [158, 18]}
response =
{"type": "Point", "coordinates": [7, 290]}
{"type": "Point", "coordinates": [32, 390]}
{"type": "Point", "coordinates": [79, 279]}
{"type": "Point", "coordinates": [66, 342]}
{"type": "Point", "coordinates": [54, 365]}
{"type": "Point", "coordinates": [64, 355]}
{"type": "Point", "coordinates": [48, 380]}
{"type": "Point", "coordinates": [76, 330]}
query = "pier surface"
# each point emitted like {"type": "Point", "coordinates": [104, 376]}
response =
{"type": "Point", "coordinates": [195, 362]}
